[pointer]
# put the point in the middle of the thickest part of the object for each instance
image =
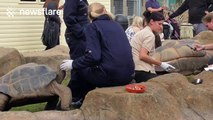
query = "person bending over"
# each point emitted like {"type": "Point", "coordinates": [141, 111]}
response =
{"type": "Point", "coordinates": [143, 46]}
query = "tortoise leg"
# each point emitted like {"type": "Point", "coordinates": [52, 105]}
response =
{"type": "Point", "coordinates": [3, 101]}
{"type": "Point", "coordinates": [63, 92]}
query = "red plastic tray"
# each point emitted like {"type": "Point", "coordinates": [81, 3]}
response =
{"type": "Point", "coordinates": [133, 88]}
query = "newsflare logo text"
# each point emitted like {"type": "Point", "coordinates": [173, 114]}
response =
{"type": "Point", "coordinates": [12, 11]}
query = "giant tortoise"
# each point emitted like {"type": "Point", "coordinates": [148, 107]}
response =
{"type": "Point", "coordinates": [180, 54]}
{"type": "Point", "coordinates": [31, 83]}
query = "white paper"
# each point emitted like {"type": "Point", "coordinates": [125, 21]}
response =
{"type": "Point", "coordinates": [209, 68]}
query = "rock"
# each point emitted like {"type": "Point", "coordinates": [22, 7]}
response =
{"type": "Point", "coordinates": [51, 57]}
{"type": "Point", "coordinates": [9, 59]}
{"type": "Point", "coordinates": [60, 115]}
{"type": "Point", "coordinates": [44, 115]}
{"type": "Point", "coordinates": [22, 115]}
{"type": "Point", "coordinates": [168, 97]}
{"type": "Point", "coordinates": [195, 101]}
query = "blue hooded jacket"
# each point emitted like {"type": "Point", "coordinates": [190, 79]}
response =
{"type": "Point", "coordinates": [107, 48]}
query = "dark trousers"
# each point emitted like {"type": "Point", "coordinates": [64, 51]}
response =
{"type": "Point", "coordinates": [78, 85]}
{"type": "Point", "coordinates": [143, 76]}
{"type": "Point", "coordinates": [88, 79]}
{"type": "Point", "coordinates": [77, 49]}
{"type": "Point", "coordinates": [210, 61]}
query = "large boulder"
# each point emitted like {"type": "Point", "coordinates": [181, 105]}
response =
{"type": "Point", "coordinates": [45, 115]}
{"type": "Point", "coordinates": [168, 97]}
{"type": "Point", "coordinates": [51, 57]}
{"type": "Point", "coordinates": [9, 59]}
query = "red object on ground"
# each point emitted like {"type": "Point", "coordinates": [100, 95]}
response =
{"type": "Point", "coordinates": [133, 88]}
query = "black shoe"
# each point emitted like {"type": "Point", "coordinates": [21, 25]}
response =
{"type": "Point", "coordinates": [197, 81]}
{"type": "Point", "coordinates": [77, 103]}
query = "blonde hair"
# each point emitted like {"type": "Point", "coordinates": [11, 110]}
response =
{"type": "Point", "coordinates": [207, 18]}
{"type": "Point", "coordinates": [137, 21]}
{"type": "Point", "coordinates": [97, 9]}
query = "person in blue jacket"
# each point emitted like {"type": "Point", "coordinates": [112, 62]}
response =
{"type": "Point", "coordinates": [154, 6]}
{"type": "Point", "coordinates": [51, 32]}
{"type": "Point", "coordinates": [107, 61]}
{"type": "Point", "coordinates": [76, 20]}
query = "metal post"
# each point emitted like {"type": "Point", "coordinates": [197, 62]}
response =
{"type": "Point", "coordinates": [139, 8]}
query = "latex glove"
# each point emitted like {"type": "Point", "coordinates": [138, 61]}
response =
{"type": "Point", "coordinates": [167, 66]}
{"type": "Point", "coordinates": [66, 65]}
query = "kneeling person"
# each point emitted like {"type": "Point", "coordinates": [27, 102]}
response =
{"type": "Point", "coordinates": [143, 47]}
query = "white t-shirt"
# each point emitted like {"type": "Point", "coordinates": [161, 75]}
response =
{"type": "Point", "coordinates": [146, 39]}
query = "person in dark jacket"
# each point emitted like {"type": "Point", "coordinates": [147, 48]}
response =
{"type": "Point", "coordinates": [52, 24]}
{"type": "Point", "coordinates": [76, 20]}
{"type": "Point", "coordinates": [196, 10]}
{"type": "Point", "coordinates": [50, 36]}
{"type": "Point", "coordinates": [107, 60]}
{"type": "Point", "coordinates": [154, 6]}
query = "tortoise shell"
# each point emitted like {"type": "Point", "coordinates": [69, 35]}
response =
{"type": "Point", "coordinates": [175, 49]}
{"type": "Point", "coordinates": [26, 79]}
{"type": "Point", "coordinates": [181, 55]}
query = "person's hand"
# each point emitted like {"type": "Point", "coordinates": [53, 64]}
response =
{"type": "Point", "coordinates": [160, 9]}
{"type": "Point", "coordinates": [199, 47]}
{"type": "Point", "coordinates": [164, 7]}
{"type": "Point", "coordinates": [167, 67]}
{"type": "Point", "coordinates": [66, 65]}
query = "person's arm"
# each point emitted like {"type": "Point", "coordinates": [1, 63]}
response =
{"type": "Point", "coordinates": [204, 47]}
{"type": "Point", "coordinates": [210, 6]}
{"type": "Point", "coordinates": [70, 17]}
{"type": "Point", "coordinates": [93, 52]}
{"type": "Point", "coordinates": [208, 47]}
{"type": "Point", "coordinates": [180, 10]}
{"type": "Point", "coordinates": [150, 9]}
{"type": "Point", "coordinates": [144, 55]}
{"type": "Point", "coordinates": [146, 58]}
{"type": "Point", "coordinates": [147, 45]}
